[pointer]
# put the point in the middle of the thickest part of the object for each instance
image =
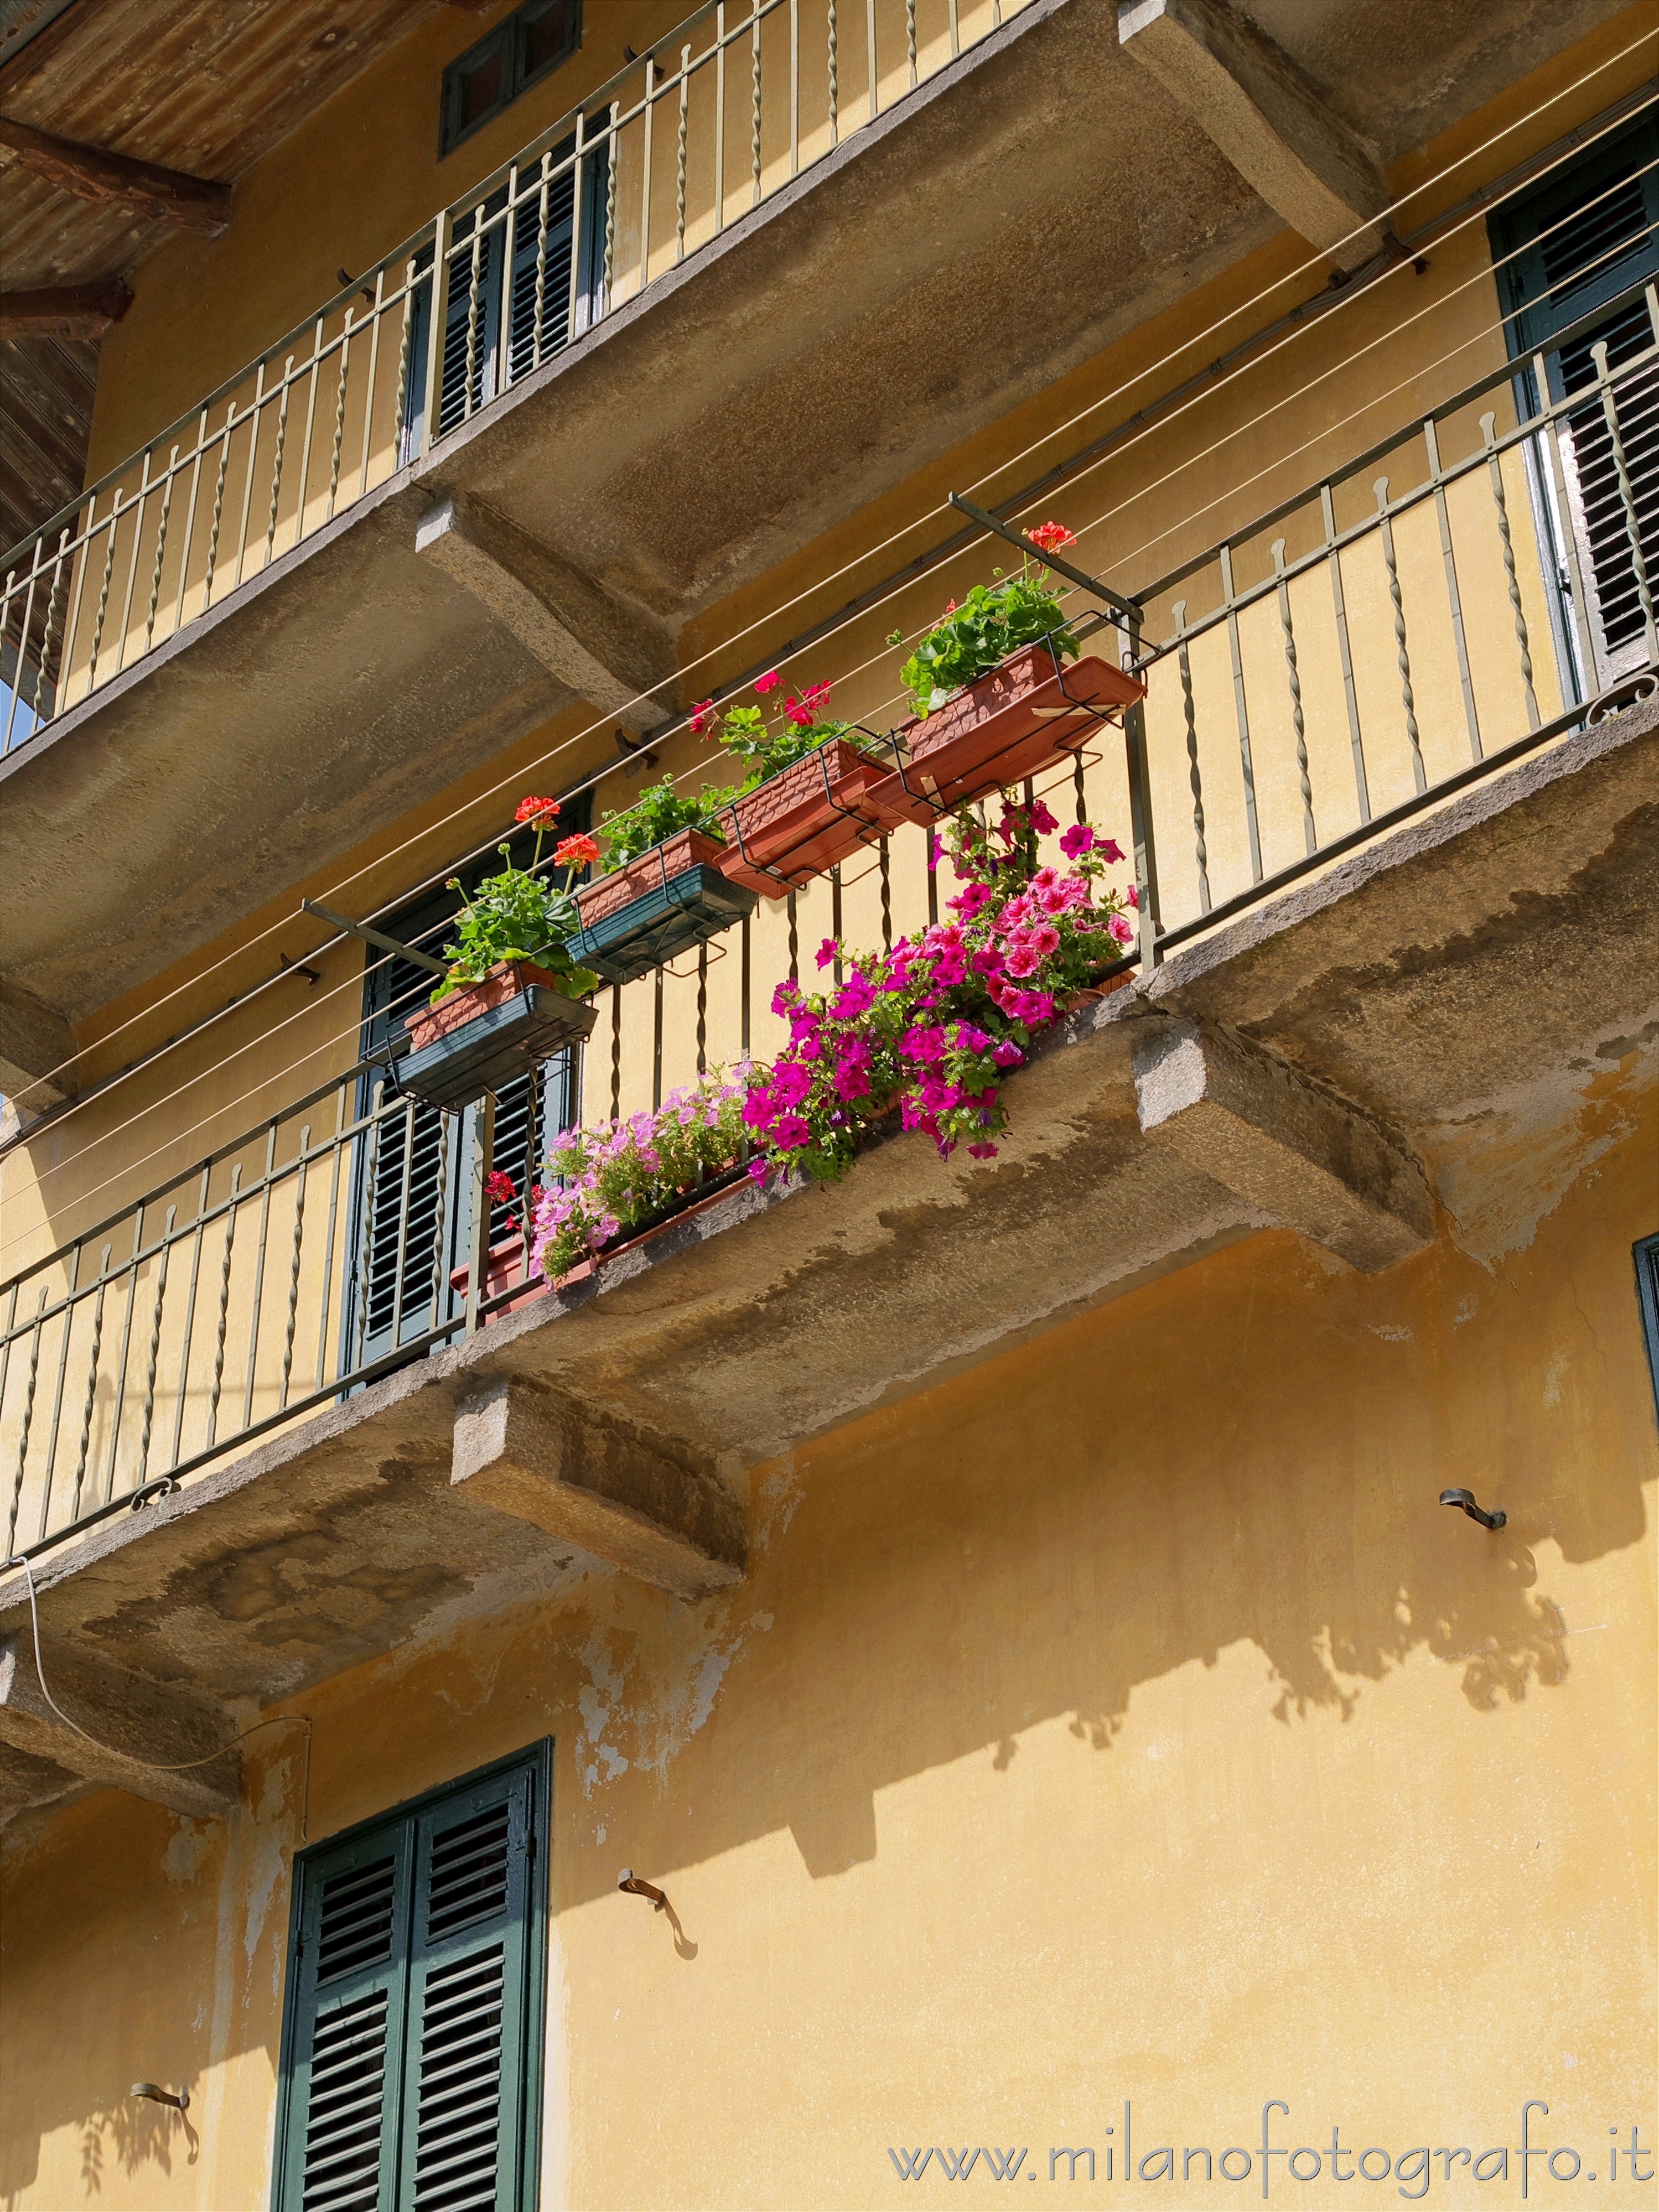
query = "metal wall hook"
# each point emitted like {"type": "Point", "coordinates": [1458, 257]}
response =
{"type": "Point", "coordinates": [163, 1486]}
{"type": "Point", "coordinates": [629, 1880]}
{"type": "Point", "coordinates": [157, 2095]}
{"type": "Point", "coordinates": [1466, 1499]}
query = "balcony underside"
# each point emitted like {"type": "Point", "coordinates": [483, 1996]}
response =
{"type": "Point", "coordinates": [1026, 207]}
{"type": "Point", "coordinates": [1454, 990]}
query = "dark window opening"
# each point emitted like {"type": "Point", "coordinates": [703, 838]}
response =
{"type": "Point", "coordinates": [411, 1197]}
{"type": "Point", "coordinates": [1578, 242]}
{"type": "Point", "coordinates": [483, 81]}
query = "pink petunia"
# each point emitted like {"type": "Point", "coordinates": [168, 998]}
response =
{"type": "Point", "coordinates": [1121, 928]}
{"type": "Point", "coordinates": [1079, 839]}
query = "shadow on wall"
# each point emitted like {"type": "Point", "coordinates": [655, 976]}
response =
{"type": "Point", "coordinates": [1248, 1454]}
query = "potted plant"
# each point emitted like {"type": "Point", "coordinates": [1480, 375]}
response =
{"type": "Point", "coordinates": [511, 995]}
{"type": "Point", "coordinates": [994, 701]}
{"type": "Point", "coordinates": [509, 1262]}
{"type": "Point", "coordinates": [807, 801]}
{"type": "Point", "coordinates": [662, 892]}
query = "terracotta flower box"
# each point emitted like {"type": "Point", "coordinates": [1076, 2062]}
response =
{"type": "Point", "coordinates": [687, 848]}
{"type": "Point", "coordinates": [795, 825]}
{"type": "Point", "coordinates": [506, 1266]}
{"type": "Point", "coordinates": [1014, 723]}
{"type": "Point", "coordinates": [484, 1034]}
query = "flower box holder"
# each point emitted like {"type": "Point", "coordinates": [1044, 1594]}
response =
{"type": "Point", "coordinates": [819, 810]}
{"type": "Point", "coordinates": [486, 1033]}
{"type": "Point", "coordinates": [1012, 723]}
{"type": "Point", "coordinates": [661, 904]}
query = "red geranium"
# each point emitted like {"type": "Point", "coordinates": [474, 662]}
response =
{"type": "Point", "coordinates": [541, 812]}
{"type": "Point", "coordinates": [578, 852]}
{"type": "Point", "coordinates": [1051, 536]}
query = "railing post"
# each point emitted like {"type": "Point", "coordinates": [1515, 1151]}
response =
{"type": "Point", "coordinates": [483, 1150]}
{"type": "Point", "coordinates": [1140, 814]}
{"type": "Point", "coordinates": [434, 333]}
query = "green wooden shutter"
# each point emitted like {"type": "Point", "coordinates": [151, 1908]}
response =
{"type": "Point", "coordinates": [412, 2046]}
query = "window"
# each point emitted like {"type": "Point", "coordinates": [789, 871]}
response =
{"type": "Point", "coordinates": [412, 2038]}
{"type": "Point", "coordinates": [1647, 1292]}
{"type": "Point", "coordinates": [1587, 238]}
{"type": "Point", "coordinates": [411, 1201]}
{"type": "Point", "coordinates": [490, 76]}
{"type": "Point", "coordinates": [525, 306]}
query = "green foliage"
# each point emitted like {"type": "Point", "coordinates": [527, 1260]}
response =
{"type": "Point", "coordinates": [515, 915]}
{"type": "Point", "coordinates": [993, 621]}
{"type": "Point", "coordinates": [661, 813]}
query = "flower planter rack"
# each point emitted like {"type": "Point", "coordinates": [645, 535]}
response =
{"type": "Point", "coordinates": [483, 1035]}
{"type": "Point", "coordinates": [658, 906]}
{"type": "Point", "coordinates": [506, 1265]}
{"type": "Point", "coordinates": [817, 811]}
{"type": "Point", "coordinates": [1013, 723]}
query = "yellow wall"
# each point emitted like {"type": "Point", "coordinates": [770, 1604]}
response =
{"type": "Point", "coordinates": [1123, 1719]}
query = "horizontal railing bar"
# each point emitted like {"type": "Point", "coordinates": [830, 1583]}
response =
{"type": "Point", "coordinates": [1455, 405]}
{"type": "Point", "coordinates": [369, 1372]}
{"type": "Point", "coordinates": [1475, 771]}
{"type": "Point", "coordinates": [375, 1060]}
{"type": "Point", "coordinates": [233, 384]}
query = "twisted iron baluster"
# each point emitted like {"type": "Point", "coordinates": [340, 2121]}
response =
{"type": "Point", "coordinates": [1308, 832]}
{"type": "Point", "coordinates": [1409, 697]}
{"type": "Point", "coordinates": [92, 1384]}
{"type": "Point", "coordinates": [154, 1354]}
{"type": "Point", "coordinates": [834, 78]}
{"type": "Point", "coordinates": [161, 550]}
{"type": "Point", "coordinates": [281, 440]}
{"type": "Point", "coordinates": [1494, 466]}
{"type": "Point", "coordinates": [293, 1267]}
{"type": "Point", "coordinates": [1201, 849]}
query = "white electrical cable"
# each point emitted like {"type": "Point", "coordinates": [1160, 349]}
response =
{"type": "Point", "coordinates": [152, 1765]}
{"type": "Point", "coordinates": [1186, 346]}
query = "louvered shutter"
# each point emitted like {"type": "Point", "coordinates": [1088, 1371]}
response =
{"type": "Point", "coordinates": [412, 2043]}
{"type": "Point", "coordinates": [348, 1998]}
{"type": "Point", "coordinates": [1583, 239]}
{"type": "Point", "coordinates": [464, 2070]}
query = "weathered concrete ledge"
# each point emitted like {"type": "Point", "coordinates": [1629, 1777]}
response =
{"type": "Point", "coordinates": [1375, 1034]}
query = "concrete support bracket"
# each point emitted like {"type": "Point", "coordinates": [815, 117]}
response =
{"type": "Point", "coordinates": [605, 652]}
{"type": "Point", "coordinates": [1269, 121]}
{"type": "Point", "coordinates": [140, 1730]}
{"type": "Point", "coordinates": [1301, 1157]}
{"type": "Point", "coordinates": [595, 1485]}
{"type": "Point", "coordinates": [37, 1054]}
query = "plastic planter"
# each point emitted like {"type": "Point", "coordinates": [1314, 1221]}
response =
{"type": "Point", "coordinates": [658, 906]}
{"type": "Point", "coordinates": [1014, 723]}
{"type": "Point", "coordinates": [486, 1033]}
{"type": "Point", "coordinates": [817, 811]}
{"type": "Point", "coordinates": [506, 1266]}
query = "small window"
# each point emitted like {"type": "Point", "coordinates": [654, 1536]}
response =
{"type": "Point", "coordinates": [412, 2030]}
{"type": "Point", "coordinates": [490, 76]}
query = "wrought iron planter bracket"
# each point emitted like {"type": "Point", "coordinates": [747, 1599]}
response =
{"type": "Point", "coordinates": [1130, 609]}
{"type": "Point", "coordinates": [374, 937]}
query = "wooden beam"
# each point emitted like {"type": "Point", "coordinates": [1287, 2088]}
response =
{"type": "Point", "coordinates": [156, 195]}
{"type": "Point", "coordinates": [74, 310]}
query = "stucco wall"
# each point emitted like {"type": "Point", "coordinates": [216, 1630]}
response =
{"type": "Point", "coordinates": [1123, 1719]}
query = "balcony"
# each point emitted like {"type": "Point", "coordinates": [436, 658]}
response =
{"type": "Point", "coordinates": [427, 521]}
{"type": "Point", "coordinates": [1390, 805]}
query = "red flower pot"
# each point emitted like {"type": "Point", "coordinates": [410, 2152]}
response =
{"type": "Point", "coordinates": [504, 982]}
{"type": "Point", "coordinates": [506, 1266]}
{"type": "Point", "coordinates": [1015, 722]}
{"type": "Point", "coordinates": [675, 856]}
{"type": "Point", "coordinates": [794, 825]}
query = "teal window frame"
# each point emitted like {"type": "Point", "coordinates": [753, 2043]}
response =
{"type": "Point", "coordinates": [405, 1833]}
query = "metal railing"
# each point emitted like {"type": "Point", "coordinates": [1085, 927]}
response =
{"type": "Point", "coordinates": [727, 108]}
{"type": "Point", "coordinates": [1363, 652]}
